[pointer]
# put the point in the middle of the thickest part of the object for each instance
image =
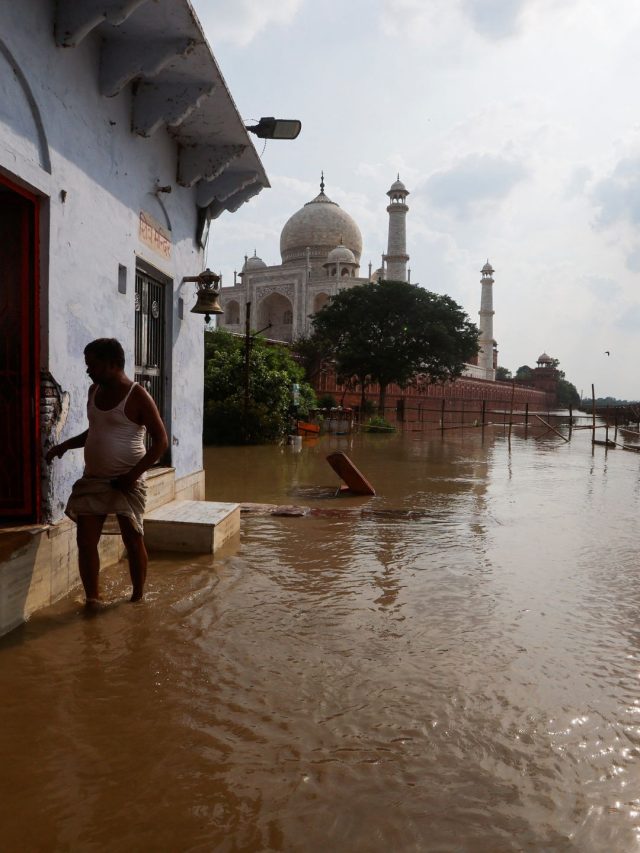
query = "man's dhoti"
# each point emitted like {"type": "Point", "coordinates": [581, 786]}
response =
{"type": "Point", "coordinates": [96, 496]}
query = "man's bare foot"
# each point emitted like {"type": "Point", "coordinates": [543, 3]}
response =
{"type": "Point", "coordinates": [93, 605]}
{"type": "Point", "coordinates": [137, 595]}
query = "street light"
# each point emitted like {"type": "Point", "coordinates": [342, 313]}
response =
{"type": "Point", "coordinates": [276, 128]}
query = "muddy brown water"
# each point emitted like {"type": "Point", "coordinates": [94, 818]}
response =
{"type": "Point", "coordinates": [456, 669]}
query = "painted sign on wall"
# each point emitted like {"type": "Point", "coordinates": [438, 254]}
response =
{"type": "Point", "coordinates": [154, 235]}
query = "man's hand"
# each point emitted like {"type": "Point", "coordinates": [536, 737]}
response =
{"type": "Point", "coordinates": [125, 482]}
{"type": "Point", "coordinates": [57, 451]}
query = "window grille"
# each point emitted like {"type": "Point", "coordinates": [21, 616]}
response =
{"type": "Point", "coordinates": [149, 337]}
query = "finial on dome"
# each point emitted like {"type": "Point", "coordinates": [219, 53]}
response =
{"type": "Point", "coordinates": [398, 178]}
{"type": "Point", "coordinates": [322, 182]}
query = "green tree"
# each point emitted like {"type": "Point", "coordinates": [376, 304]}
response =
{"type": "Point", "coordinates": [610, 401]}
{"type": "Point", "coordinates": [523, 372]}
{"type": "Point", "coordinates": [391, 331]}
{"type": "Point", "coordinates": [272, 373]}
{"type": "Point", "coordinates": [311, 352]}
{"type": "Point", "coordinates": [503, 374]}
{"type": "Point", "coordinates": [567, 394]}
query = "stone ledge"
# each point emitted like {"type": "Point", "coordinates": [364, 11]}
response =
{"type": "Point", "coordinates": [191, 526]}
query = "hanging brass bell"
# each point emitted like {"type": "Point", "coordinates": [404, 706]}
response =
{"type": "Point", "coordinates": [207, 303]}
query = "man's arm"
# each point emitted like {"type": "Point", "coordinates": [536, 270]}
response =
{"type": "Point", "coordinates": [149, 416]}
{"type": "Point", "coordinates": [58, 450]}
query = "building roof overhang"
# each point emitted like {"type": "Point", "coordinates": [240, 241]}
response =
{"type": "Point", "coordinates": [158, 48]}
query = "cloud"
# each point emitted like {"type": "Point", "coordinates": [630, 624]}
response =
{"type": "Point", "coordinates": [437, 21]}
{"type": "Point", "coordinates": [379, 171]}
{"type": "Point", "coordinates": [604, 289]}
{"type": "Point", "coordinates": [476, 179]}
{"type": "Point", "coordinates": [241, 21]}
{"type": "Point", "coordinates": [576, 185]}
{"type": "Point", "coordinates": [433, 20]}
{"type": "Point", "coordinates": [494, 18]}
{"type": "Point", "coordinates": [633, 260]}
{"type": "Point", "coordinates": [629, 319]}
{"type": "Point", "coordinates": [618, 195]}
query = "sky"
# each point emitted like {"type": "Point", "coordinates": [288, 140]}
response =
{"type": "Point", "coordinates": [515, 124]}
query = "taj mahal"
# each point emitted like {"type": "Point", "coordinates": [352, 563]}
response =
{"type": "Point", "coordinates": [321, 247]}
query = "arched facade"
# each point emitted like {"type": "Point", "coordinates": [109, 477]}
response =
{"type": "Point", "coordinates": [321, 299]}
{"type": "Point", "coordinates": [277, 310]}
{"type": "Point", "coordinates": [321, 247]}
{"type": "Point", "coordinates": [232, 313]}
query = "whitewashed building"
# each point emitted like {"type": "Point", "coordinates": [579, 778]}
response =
{"type": "Point", "coordinates": [119, 143]}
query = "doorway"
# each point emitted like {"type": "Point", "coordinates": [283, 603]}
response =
{"type": "Point", "coordinates": [19, 356]}
{"type": "Point", "coordinates": [150, 341]}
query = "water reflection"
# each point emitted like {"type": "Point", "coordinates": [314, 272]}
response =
{"type": "Point", "coordinates": [451, 665]}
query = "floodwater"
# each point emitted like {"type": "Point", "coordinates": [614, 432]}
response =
{"type": "Point", "coordinates": [457, 668]}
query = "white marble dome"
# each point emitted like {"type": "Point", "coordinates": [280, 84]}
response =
{"type": "Point", "coordinates": [320, 225]}
{"type": "Point", "coordinates": [253, 263]}
{"type": "Point", "coordinates": [341, 255]}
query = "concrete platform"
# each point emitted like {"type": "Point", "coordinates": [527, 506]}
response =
{"type": "Point", "coordinates": [191, 526]}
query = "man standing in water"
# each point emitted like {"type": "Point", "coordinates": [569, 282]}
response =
{"type": "Point", "coordinates": [116, 460]}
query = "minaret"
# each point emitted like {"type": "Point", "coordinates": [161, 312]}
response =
{"type": "Point", "coordinates": [396, 256]}
{"type": "Point", "coordinates": [485, 338]}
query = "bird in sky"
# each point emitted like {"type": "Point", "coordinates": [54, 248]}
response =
{"type": "Point", "coordinates": [606, 352]}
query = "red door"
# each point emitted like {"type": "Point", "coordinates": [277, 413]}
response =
{"type": "Point", "coordinates": [19, 357]}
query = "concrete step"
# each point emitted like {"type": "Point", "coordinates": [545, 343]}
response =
{"type": "Point", "coordinates": [191, 526]}
{"type": "Point", "coordinates": [161, 486]}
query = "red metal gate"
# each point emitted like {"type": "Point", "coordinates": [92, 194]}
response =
{"type": "Point", "coordinates": [19, 356]}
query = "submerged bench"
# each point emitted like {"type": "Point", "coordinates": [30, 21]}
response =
{"type": "Point", "coordinates": [194, 526]}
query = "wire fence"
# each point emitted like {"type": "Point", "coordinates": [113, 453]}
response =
{"type": "Point", "coordinates": [459, 414]}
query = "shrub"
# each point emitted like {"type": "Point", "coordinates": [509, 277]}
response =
{"type": "Point", "coordinates": [225, 423]}
{"type": "Point", "coordinates": [327, 401]}
{"type": "Point", "coordinates": [378, 424]}
{"type": "Point", "coordinates": [272, 373]}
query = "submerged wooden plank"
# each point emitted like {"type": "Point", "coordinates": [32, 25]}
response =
{"type": "Point", "coordinates": [347, 471]}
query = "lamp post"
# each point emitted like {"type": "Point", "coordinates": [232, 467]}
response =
{"type": "Point", "coordinates": [247, 357]}
{"type": "Point", "coordinates": [248, 340]}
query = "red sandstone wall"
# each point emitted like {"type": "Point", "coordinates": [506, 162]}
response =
{"type": "Point", "coordinates": [463, 388]}
{"type": "Point", "coordinates": [464, 398]}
